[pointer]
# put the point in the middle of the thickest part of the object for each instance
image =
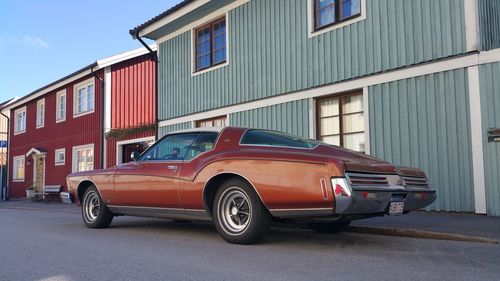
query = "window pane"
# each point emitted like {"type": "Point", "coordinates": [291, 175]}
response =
{"type": "Point", "coordinates": [171, 148]}
{"type": "Point", "coordinates": [220, 56]}
{"type": "Point", "coordinates": [355, 142]}
{"type": "Point", "coordinates": [353, 123]}
{"type": "Point", "coordinates": [350, 8]}
{"type": "Point", "coordinates": [272, 138]}
{"type": "Point", "coordinates": [334, 140]}
{"type": "Point", "coordinates": [329, 107]}
{"type": "Point", "coordinates": [204, 142]}
{"type": "Point", "coordinates": [325, 12]}
{"type": "Point", "coordinates": [90, 97]}
{"type": "Point", "coordinates": [352, 104]}
{"type": "Point", "coordinates": [330, 126]}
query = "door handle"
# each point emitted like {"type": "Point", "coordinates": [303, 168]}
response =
{"type": "Point", "coordinates": [172, 167]}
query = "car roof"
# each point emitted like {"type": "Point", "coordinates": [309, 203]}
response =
{"type": "Point", "coordinates": [194, 130]}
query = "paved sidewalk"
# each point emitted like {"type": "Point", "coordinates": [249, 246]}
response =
{"type": "Point", "coordinates": [440, 222]}
{"type": "Point", "coordinates": [452, 223]}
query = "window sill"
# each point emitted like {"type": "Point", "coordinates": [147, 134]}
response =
{"type": "Point", "coordinates": [19, 132]}
{"type": "Point", "coordinates": [205, 70]}
{"type": "Point", "coordinates": [18, 180]}
{"type": "Point", "coordinates": [60, 120]}
{"type": "Point", "coordinates": [83, 113]}
{"type": "Point", "coordinates": [59, 164]}
{"type": "Point", "coordinates": [40, 126]}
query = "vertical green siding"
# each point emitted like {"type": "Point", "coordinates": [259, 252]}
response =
{"type": "Point", "coordinates": [489, 23]}
{"type": "Point", "coordinates": [424, 122]}
{"type": "Point", "coordinates": [291, 117]}
{"type": "Point", "coordinates": [270, 52]}
{"type": "Point", "coordinates": [172, 128]}
{"type": "Point", "coordinates": [490, 111]}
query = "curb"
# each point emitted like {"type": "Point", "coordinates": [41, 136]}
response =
{"type": "Point", "coordinates": [422, 234]}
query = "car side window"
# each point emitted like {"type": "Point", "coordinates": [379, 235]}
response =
{"type": "Point", "coordinates": [204, 142]}
{"type": "Point", "coordinates": [171, 148]}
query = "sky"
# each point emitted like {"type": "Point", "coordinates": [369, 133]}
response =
{"type": "Point", "coordinates": [42, 41]}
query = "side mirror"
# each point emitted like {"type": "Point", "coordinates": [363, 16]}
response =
{"type": "Point", "coordinates": [135, 156]}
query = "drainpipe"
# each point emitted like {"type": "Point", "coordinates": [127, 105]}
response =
{"type": "Point", "coordinates": [101, 131]}
{"type": "Point", "coordinates": [154, 57]}
{"type": "Point", "coordinates": [5, 189]}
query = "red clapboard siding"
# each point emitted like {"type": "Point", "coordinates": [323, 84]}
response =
{"type": "Point", "coordinates": [133, 93]}
{"type": "Point", "coordinates": [67, 134]}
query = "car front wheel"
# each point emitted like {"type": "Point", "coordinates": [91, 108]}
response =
{"type": "Point", "coordinates": [95, 214]}
{"type": "Point", "coordinates": [239, 215]}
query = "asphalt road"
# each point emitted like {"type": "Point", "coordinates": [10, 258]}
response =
{"type": "Point", "coordinates": [53, 244]}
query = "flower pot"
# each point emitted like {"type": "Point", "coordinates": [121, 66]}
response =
{"type": "Point", "coordinates": [30, 193]}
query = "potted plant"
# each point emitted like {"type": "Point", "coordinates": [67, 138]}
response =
{"type": "Point", "coordinates": [30, 191]}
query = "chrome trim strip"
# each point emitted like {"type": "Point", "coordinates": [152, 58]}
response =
{"type": "Point", "coordinates": [156, 212]}
{"type": "Point", "coordinates": [298, 213]}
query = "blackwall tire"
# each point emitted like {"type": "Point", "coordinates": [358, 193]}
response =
{"type": "Point", "coordinates": [239, 215]}
{"type": "Point", "coordinates": [330, 227]}
{"type": "Point", "coordinates": [95, 214]}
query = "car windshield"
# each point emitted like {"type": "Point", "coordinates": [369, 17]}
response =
{"type": "Point", "coordinates": [273, 138]}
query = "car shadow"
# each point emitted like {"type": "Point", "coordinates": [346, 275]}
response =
{"type": "Point", "coordinates": [280, 234]}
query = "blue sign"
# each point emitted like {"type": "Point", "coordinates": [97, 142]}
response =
{"type": "Point", "coordinates": [3, 144]}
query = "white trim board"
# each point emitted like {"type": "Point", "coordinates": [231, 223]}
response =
{"type": "Point", "coordinates": [355, 84]}
{"type": "Point", "coordinates": [218, 13]}
{"type": "Point", "coordinates": [119, 147]}
{"type": "Point", "coordinates": [477, 140]}
{"type": "Point", "coordinates": [471, 25]}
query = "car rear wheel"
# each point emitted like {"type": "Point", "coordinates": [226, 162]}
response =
{"type": "Point", "coordinates": [95, 214]}
{"type": "Point", "coordinates": [329, 227]}
{"type": "Point", "coordinates": [239, 215]}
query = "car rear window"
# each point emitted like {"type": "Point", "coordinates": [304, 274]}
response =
{"type": "Point", "coordinates": [273, 138]}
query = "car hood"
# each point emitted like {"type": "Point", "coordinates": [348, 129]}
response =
{"type": "Point", "coordinates": [357, 162]}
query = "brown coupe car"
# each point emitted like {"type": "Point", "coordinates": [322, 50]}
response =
{"type": "Point", "coordinates": [242, 179]}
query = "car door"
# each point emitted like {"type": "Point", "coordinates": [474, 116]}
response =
{"type": "Point", "coordinates": [152, 180]}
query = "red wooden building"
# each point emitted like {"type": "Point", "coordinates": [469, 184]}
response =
{"type": "Point", "coordinates": [87, 120]}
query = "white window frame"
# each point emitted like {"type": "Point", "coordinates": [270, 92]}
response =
{"type": "Point", "coordinates": [74, 167]}
{"type": "Point", "coordinates": [85, 84]}
{"type": "Point", "coordinates": [120, 144]}
{"type": "Point", "coordinates": [40, 113]}
{"type": "Point", "coordinates": [60, 94]}
{"type": "Point", "coordinates": [16, 121]}
{"type": "Point", "coordinates": [15, 177]}
{"type": "Point", "coordinates": [193, 45]}
{"type": "Point", "coordinates": [56, 152]}
{"type": "Point", "coordinates": [311, 17]}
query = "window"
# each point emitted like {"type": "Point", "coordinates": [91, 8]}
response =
{"type": "Point", "coordinates": [330, 12]}
{"type": "Point", "coordinates": [273, 138]}
{"type": "Point", "coordinates": [213, 122]}
{"type": "Point", "coordinates": [60, 157]}
{"type": "Point", "coordinates": [40, 113]}
{"type": "Point", "coordinates": [171, 148]}
{"type": "Point", "coordinates": [204, 142]}
{"type": "Point", "coordinates": [18, 171]}
{"type": "Point", "coordinates": [83, 98]}
{"type": "Point", "coordinates": [341, 121]}
{"type": "Point", "coordinates": [211, 44]}
{"type": "Point", "coordinates": [61, 106]}
{"type": "Point", "coordinates": [20, 120]}
{"type": "Point", "coordinates": [83, 158]}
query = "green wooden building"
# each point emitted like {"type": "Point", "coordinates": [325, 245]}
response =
{"type": "Point", "coordinates": [415, 82]}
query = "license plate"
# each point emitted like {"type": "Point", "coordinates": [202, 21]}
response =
{"type": "Point", "coordinates": [396, 208]}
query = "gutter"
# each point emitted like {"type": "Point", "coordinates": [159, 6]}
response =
{"type": "Point", "coordinates": [5, 189]}
{"type": "Point", "coordinates": [101, 117]}
{"type": "Point", "coordinates": [154, 57]}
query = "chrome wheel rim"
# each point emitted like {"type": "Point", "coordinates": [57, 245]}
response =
{"type": "Point", "coordinates": [91, 206]}
{"type": "Point", "coordinates": [235, 211]}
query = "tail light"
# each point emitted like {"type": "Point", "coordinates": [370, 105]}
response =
{"type": "Point", "coordinates": [341, 188]}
